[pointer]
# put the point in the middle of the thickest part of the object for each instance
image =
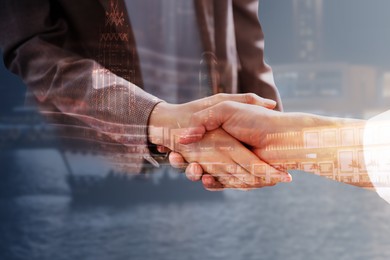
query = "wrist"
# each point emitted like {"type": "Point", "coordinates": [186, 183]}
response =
{"type": "Point", "coordinates": [161, 121]}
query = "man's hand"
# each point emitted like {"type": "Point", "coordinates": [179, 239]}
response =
{"type": "Point", "coordinates": [233, 167]}
{"type": "Point", "coordinates": [229, 162]}
{"type": "Point", "coordinates": [249, 124]}
{"type": "Point", "coordinates": [167, 117]}
{"type": "Point", "coordinates": [245, 123]}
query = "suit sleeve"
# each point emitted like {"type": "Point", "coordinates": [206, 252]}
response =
{"type": "Point", "coordinates": [254, 75]}
{"type": "Point", "coordinates": [104, 106]}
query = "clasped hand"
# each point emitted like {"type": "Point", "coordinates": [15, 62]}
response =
{"type": "Point", "coordinates": [221, 141]}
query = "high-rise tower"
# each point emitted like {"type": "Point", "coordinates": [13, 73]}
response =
{"type": "Point", "coordinates": [308, 30]}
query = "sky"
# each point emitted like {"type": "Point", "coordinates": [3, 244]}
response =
{"type": "Point", "coordinates": [355, 31]}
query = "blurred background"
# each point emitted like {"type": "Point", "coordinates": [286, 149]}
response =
{"type": "Point", "coordinates": [324, 51]}
{"type": "Point", "coordinates": [329, 57]}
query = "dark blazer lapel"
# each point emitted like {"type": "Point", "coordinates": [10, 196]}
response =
{"type": "Point", "coordinates": [104, 3]}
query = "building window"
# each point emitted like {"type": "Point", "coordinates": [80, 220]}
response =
{"type": "Point", "coordinates": [347, 137]}
{"type": "Point", "coordinates": [346, 161]}
{"type": "Point", "coordinates": [329, 138]}
{"type": "Point", "coordinates": [311, 140]}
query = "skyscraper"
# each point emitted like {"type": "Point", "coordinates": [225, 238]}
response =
{"type": "Point", "coordinates": [308, 30]}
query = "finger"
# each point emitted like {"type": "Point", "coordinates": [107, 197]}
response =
{"type": "Point", "coordinates": [192, 134]}
{"type": "Point", "coordinates": [271, 175]}
{"type": "Point", "coordinates": [194, 172]}
{"type": "Point", "coordinates": [211, 184]}
{"type": "Point", "coordinates": [176, 160]}
{"type": "Point", "coordinates": [205, 120]}
{"type": "Point", "coordinates": [227, 161]}
{"type": "Point", "coordinates": [243, 178]}
{"type": "Point", "coordinates": [253, 170]}
{"type": "Point", "coordinates": [210, 118]}
{"type": "Point", "coordinates": [224, 173]}
{"type": "Point", "coordinates": [257, 175]}
{"type": "Point", "coordinates": [239, 167]}
{"type": "Point", "coordinates": [246, 98]}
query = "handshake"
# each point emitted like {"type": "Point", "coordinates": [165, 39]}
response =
{"type": "Point", "coordinates": [238, 141]}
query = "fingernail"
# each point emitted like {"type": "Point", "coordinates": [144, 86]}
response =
{"type": "Point", "coordinates": [287, 178]}
{"type": "Point", "coordinates": [190, 172]}
{"type": "Point", "coordinates": [270, 102]}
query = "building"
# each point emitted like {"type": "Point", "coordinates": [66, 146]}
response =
{"type": "Point", "coordinates": [308, 30]}
{"type": "Point", "coordinates": [335, 89]}
{"type": "Point", "coordinates": [330, 152]}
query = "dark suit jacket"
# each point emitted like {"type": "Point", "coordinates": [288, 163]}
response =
{"type": "Point", "coordinates": [54, 46]}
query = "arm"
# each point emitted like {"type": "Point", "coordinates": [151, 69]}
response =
{"type": "Point", "coordinates": [42, 47]}
{"type": "Point", "coordinates": [52, 47]}
{"type": "Point", "coordinates": [218, 153]}
{"type": "Point", "coordinates": [330, 147]}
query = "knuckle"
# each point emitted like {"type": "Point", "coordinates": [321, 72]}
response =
{"type": "Point", "coordinates": [219, 97]}
{"type": "Point", "coordinates": [222, 96]}
{"type": "Point", "coordinates": [251, 98]}
{"type": "Point", "coordinates": [225, 104]}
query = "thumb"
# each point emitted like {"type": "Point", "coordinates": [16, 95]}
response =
{"type": "Point", "coordinates": [205, 120]}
